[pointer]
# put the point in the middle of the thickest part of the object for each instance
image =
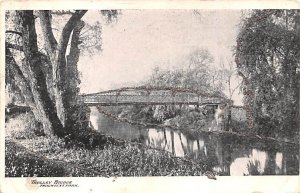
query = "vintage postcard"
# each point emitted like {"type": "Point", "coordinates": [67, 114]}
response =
{"type": "Point", "coordinates": [131, 96]}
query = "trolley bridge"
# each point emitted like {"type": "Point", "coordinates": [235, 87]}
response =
{"type": "Point", "coordinates": [151, 96]}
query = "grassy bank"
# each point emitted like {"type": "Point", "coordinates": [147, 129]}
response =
{"type": "Point", "coordinates": [29, 154]}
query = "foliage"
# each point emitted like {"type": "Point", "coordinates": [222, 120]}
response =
{"type": "Point", "coordinates": [195, 73]}
{"type": "Point", "coordinates": [184, 118]}
{"type": "Point", "coordinates": [90, 39]}
{"type": "Point", "coordinates": [190, 119]}
{"type": "Point", "coordinates": [51, 158]}
{"type": "Point", "coordinates": [267, 57]}
{"type": "Point", "coordinates": [163, 112]}
{"type": "Point", "coordinates": [110, 15]}
{"type": "Point", "coordinates": [254, 168]}
{"type": "Point", "coordinates": [23, 126]}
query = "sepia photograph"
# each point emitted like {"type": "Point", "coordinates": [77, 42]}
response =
{"type": "Point", "coordinates": [152, 92]}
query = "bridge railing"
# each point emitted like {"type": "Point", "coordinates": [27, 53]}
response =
{"type": "Point", "coordinates": [151, 99]}
{"type": "Point", "coordinates": [151, 95]}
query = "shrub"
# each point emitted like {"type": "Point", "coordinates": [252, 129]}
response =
{"type": "Point", "coordinates": [23, 126]}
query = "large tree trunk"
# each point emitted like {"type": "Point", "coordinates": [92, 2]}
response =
{"type": "Point", "coordinates": [32, 81]}
{"type": "Point", "coordinates": [37, 81]}
{"type": "Point", "coordinates": [22, 83]}
{"type": "Point", "coordinates": [57, 52]}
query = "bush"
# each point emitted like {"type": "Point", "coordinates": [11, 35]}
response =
{"type": "Point", "coordinates": [190, 120]}
{"type": "Point", "coordinates": [23, 126]}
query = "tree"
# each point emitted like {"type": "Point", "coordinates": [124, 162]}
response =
{"type": "Point", "coordinates": [267, 57]}
{"type": "Point", "coordinates": [57, 54]}
{"type": "Point", "coordinates": [194, 73]}
{"type": "Point", "coordinates": [47, 74]}
{"type": "Point", "coordinates": [228, 75]}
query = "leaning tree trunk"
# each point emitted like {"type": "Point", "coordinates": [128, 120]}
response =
{"type": "Point", "coordinates": [22, 83]}
{"type": "Point", "coordinates": [37, 81]}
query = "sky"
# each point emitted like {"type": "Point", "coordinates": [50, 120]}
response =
{"type": "Point", "coordinates": [142, 39]}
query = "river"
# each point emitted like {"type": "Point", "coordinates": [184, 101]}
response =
{"type": "Point", "coordinates": [225, 155]}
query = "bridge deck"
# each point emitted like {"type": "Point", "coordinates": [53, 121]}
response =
{"type": "Point", "coordinates": [145, 103]}
{"type": "Point", "coordinates": [151, 96]}
{"type": "Point", "coordinates": [110, 100]}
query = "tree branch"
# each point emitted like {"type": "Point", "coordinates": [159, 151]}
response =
{"type": "Point", "coordinates": [233, 90]}
{"type": "Point", "coordinates": [14, 32]}
{"type": "Point", "coordinates": [51, 43]}
{"type": "Point", "coordinates": [242, 75]}
{"type": "Point", "coordinates": [60, 63]}
{"type": "Point", "coordinates": [65, 35]}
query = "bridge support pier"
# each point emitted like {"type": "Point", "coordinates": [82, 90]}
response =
{"type": "Point", "coordinates": [223, 116]}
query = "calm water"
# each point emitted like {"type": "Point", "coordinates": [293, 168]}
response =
{"type": "Point", "coordinates": [226, 155]}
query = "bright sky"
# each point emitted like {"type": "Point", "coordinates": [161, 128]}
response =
{"type": "Point", "coordinates": [143, 39]}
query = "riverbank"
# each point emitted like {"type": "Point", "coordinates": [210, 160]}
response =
{"type": "Point", "coordinates": [159, 116]}
{"type": "Point", "coordinates": [190, 123]}
{"type": "Point", "coordinates": [172, 116]}
{"type": "Point", "coordinates": [27, 153]}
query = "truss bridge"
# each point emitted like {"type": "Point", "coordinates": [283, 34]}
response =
{"type": "Point", "coordinates": [151, 96]}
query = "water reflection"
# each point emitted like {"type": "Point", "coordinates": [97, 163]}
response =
{"type": "Point", "coordinates": [226, 155]}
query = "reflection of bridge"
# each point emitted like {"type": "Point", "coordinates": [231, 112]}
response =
{"type": "Point", "coordinates": [151, 96]}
